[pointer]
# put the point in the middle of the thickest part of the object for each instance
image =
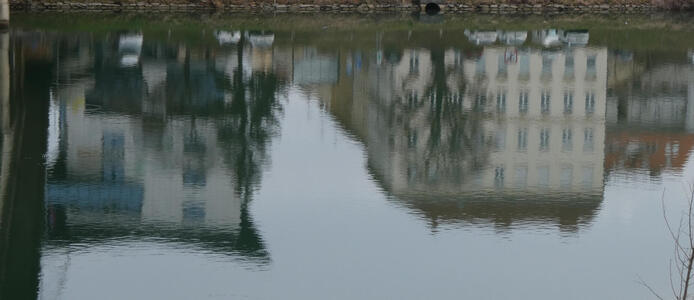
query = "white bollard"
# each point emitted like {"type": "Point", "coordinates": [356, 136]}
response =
{"type": "Point", "coordinates": [4, 13]}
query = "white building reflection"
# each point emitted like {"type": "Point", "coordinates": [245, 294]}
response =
{"type": "Point", "coordinates": [129, 47]}
{"type": "Point", "coordinates": [513, 131]}
{"type": "Point", "coordinates": [449, 131]}
{"type": "Point", "coordinates": [546, 115]}
{"type": "Point", "coordinates": [162, 144]}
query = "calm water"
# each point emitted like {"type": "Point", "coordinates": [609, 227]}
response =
{"type": "Point", "coordinates": [342, 157]}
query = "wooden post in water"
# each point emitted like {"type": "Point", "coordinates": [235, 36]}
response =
{"type": "Point", "coordinates": [24, 182]}
{"type": "Point", "coordinates": [5, 118]}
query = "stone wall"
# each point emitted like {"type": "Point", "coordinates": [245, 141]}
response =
{"type": "Point", "coordinates": [446, 6]}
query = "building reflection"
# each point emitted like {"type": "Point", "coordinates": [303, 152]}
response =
{"type": "Point", "coordinates": [503, 134]}
{"type": "Point", "coordinates": [509, 129]}
{"type": "Point", "coordinates": [650, 113]}
{"type": "Point", "coordinates": [160, 141]}
{"type": "Point", "coordinates": [165, 140]}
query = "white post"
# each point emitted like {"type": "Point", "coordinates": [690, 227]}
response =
{"type": "Point", "coordinates": [4, 13]}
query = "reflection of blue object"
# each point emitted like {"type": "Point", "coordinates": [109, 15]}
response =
{"type": "Point", "coordinates": [194, 212]}
{"type": "Point", "coordinates": [194, 176]}
{"type": "Point", "coordinates": [96, 196]}
{"type": "Point", "coordinates": [357, 61]}
{"type": "Point", "coordinates": [113, 156]}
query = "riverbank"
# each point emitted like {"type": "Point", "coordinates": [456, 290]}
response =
{"type": "Point", "coordinates": [346, 6]}
{"type": "Point", "coordinates": [642, 31]}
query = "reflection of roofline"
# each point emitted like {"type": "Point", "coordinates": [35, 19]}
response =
{"type": "Point", "coordinates": [571, 212]}
{"type": "Point", "coordinates": [511, 38]}
{"type": "Point", "coordinates": [99, 228]}
{"type": "Point", "coordinates": [505, 209]}
{"type": "Point", "coordinates": [567, 209]}
{"type": "Point", "coordinates": [229, 242]}
{"type": "Point", "coordinates": [90, 225]}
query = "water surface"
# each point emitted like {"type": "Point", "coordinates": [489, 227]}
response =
{"type": "Point", "coordinates": [343, 157]}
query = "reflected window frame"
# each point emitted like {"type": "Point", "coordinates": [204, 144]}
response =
{"type": "Point", "coordinates": [501, 101]}
{"type": "Point", "coordinates": [590, 103]}
{"type": "Point", "coordinates": [522, 145]}
{"type": "Point", "coordinates": [568, 102]}
{"type": "Point", "coordinates": [545, 102]}
{"type": "Point", "coordinates": [545, 134]}
{"type": "Point", "coordinates": [523, 102]}
{"type": "Point", "coordinates": [567, 139]}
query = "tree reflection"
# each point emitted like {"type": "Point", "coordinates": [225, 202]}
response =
{"type": "Point", "coordinates": [457, 148]}
{"type": "Point", "coordinates": [251, 122]}
{"type": "Point", "coordinates": [155, 112]}
{"type": "Point", "coordinates": [244, 134]}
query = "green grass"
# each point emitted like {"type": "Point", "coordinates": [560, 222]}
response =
{"type": "Point", "coordinates": [660, 32]}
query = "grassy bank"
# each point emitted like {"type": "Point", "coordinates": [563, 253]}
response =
{"type": "Point", "coordinates": [614, 31]}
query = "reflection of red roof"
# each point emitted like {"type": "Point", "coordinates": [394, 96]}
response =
{"type": "Point", "coordinates": [631, 150]}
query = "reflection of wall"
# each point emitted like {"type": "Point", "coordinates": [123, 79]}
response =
{"type": "Point", "coordinates": [188, 172]}
{"type": "Point", "coordinates": [197, 178]}
{"type": "Point", "coordinates": [657, 97]}
{"type": "Point", "coordinates": [309, 67]}
{"type": "Point", "coordinates": [255, 60]}
{"type": "Point", "coordinates": [539, 131]}
{"type": "Point", "coordinates": [549, 109]}
{"type": "Point", "coordinates": [412, 75]}
{"type": "Point", "coordinates": [159, 153]}
{"type": "Point", "coordinates": [98, 146]}
{"type": "Point", "coordinates": [650, 120]}
{"type": "Point", "coordinates": [504, 124]}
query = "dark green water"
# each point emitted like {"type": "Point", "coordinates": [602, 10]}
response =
{"type": "Point", "coordinates": [342, 157]}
